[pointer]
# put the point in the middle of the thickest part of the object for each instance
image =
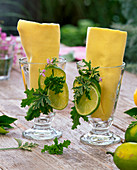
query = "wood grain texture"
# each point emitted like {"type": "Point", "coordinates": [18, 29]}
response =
{"type": "Point", "coordinates": [78, 156]}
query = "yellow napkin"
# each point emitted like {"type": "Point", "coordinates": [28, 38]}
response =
{"type": "Point", "coordinates": [105, 48]}
{"type": "Point", "coordinates": [40, 42]}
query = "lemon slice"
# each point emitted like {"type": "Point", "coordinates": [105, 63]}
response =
{"type": "Point", "coordinates": [135, 97]}
{"type": "Point", "coordinates": [85, 106]}
{"type": "Point", "coordinates": [58, 72]}
{"type": "Point", "coordinates": [59, 101]}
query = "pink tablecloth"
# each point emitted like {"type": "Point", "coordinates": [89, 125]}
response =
{"type": "Point", "coordinates": [79, 52]}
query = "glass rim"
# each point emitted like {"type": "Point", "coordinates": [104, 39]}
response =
{"type": "Point", "coordinates": [23, 60]}
{"type": "Point", "coordinates": [119, 66]}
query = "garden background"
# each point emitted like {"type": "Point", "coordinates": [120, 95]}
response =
{"type": "Point", "coordinates": [74, 16]}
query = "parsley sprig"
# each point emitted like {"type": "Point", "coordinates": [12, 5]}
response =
{"type": "Point", "coordinates": [75, 118]}
{"type": "Point", "coordinates": [87, 76]}
{"type": "Point", "coordinates": [24, 146]}
{"type": "Point", "coordinates": [56, 148]}
{"type": "Point", "coordinates": [38, 100]}
{"type": "Point", "coordinates": [54, 83]}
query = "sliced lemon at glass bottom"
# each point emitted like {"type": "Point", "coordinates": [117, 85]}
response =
{"type": "Point", "coordinates": [59, 101]}
{"type": "Point", "coordinates": [85, 106]}
{"type": "Point", "coordinates": [58, 72]}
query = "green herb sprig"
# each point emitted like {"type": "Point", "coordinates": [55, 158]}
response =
{"type": "Point", "coordinates": [75, 118]}
{"type": "Point", "coordinates": [5, 122]}
{"type": "Point", "coordinates": [56, 148]}
{"type": "Point", "coordinates": [38, 99]}
{"type": "Point", "coordinates": [87, 76]}
{"type": "Point", "coordinates": [54, 83]}
{"type": "Point", "coordinates": [133, 113]}
{"type": "Point", "coordinates": [52, 62]}
{"type": "Point", "coordinates": [38, 102]}
{"type": "Point", "coordinates": [26, 146]}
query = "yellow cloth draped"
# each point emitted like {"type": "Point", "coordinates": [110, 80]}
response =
{"type": "Point", "coordinates": [40, 42]}
{"type": "Point", "coordinates": [105, 48]}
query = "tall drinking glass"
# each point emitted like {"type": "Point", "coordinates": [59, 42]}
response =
{"type": "Point", "coordinates": [101, 120]}
{"type": "Point", "coordinates": [6, 60]}
{"type": "Point", "coordinates": [41, 129]}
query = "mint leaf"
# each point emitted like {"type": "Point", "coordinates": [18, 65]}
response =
{"type": "Point", "coordinates": [5, 122]}
{"type": "Point", "coordinates": [3, 131]}
{"type": "Point", "coordinates": [133, 123]}
{"type": "Point", "coordinates": [56, 148]}
{"type": "Point", "coordinates": [132, 112]}
{"type": "Point", "coordinates": [6, 119]}
{"type": "Point", "coordinates": [6, 126]}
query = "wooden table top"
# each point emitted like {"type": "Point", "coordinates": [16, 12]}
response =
{"type": "Point", "coordinates": [77, 156]}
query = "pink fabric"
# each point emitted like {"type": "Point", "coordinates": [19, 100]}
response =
{"type": "Point", "coordinates": [79, 52]}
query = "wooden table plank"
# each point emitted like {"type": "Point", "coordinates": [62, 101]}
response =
{"type": "Point", "coordinates": [78, 155]}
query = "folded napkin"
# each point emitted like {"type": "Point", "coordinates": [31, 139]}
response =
{"type": "Point", "coordinates": [40, 42]}
{"type": "Point", "coordinates": [105, 48]}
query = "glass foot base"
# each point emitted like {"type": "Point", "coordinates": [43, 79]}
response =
{"type": "Point", "coordinates": [100, 139]}
{"type": "Point", "coordinates": [41, 134]}
{"type": "Point", "coordinates": [4, 77]}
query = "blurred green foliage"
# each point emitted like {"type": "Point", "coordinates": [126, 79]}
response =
{"type": "Point", "coordinates": [75, 16]}
{"type": "Point", "coordinates": [103, 12]}
{"type": "Point", "coordinates": [131, 46]}
{"type": "Point", "coordinates": [10, 12]}
{"type": "Point", "coordinates": [129, 10]}
{"type": "Point", "coordinates": [75, 36]}
{"type": "Point", "coordinates": [132, 68]}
